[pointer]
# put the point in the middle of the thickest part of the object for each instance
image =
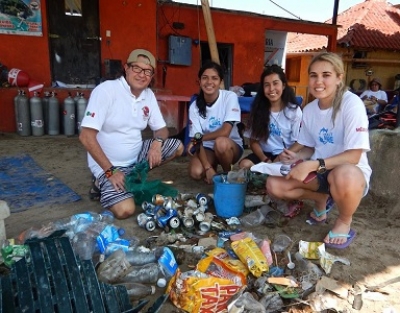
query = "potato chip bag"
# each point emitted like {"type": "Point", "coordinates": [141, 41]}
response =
{"type": "Point", "coordinates": [251, 255]}
{"type": "Point", "coordinates": [194, 292]}
{"type": "Point", "coordinates": [223, 269]}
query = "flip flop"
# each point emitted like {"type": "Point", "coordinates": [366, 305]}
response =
{"type": "Point", "coordinates": [350, 237]}
{"type": "Point", "coordinates": [294, 208]}
{"type": "Point", "coordinates": [94, 192]}
{"type": "Point", "coordinates": [329, 206]}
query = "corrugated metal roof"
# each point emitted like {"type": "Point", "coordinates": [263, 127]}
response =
{"type": "Point", "coordinates": [370, 24]}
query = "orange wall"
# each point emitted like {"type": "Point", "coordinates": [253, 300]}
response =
{"type": "Point", "coordinates": [147, 24]}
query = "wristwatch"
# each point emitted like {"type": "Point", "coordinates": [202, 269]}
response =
{"type": "Point", "coordinates": [159, 139]}
{"type": "Point", "coordinates": [321, 168]}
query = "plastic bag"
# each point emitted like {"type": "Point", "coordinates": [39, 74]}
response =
{"type": "Point", "coordinates": [142, 189]}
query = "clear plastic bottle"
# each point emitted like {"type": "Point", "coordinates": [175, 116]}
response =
{"type": "Point", "coordinates": [139, 255]}
{"type": "Point", "coordinates": [137, 291]}
{"type": "Point", "coordinates": [145, 274]}
{"type": "Point", "coordinates": [311, 273]}
{"type": "Point", "coordinates": [113, 268]}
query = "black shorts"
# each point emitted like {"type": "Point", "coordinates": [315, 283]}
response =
{"type": "Point", "coordinates": [255, 159]}
{"type": "Point", "coordinates": [323, 183]}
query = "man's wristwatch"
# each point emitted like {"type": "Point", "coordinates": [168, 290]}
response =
{"type": "Point", "coordinates": [321, 168]}
{"type": "Point", "coordinates": [159, 139]}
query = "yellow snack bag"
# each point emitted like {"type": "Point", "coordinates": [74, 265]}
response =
{"type": "Point", "coordinates": [251, 255]}
{"type": "Point", "coordinates": [194, 291]}
{"type": "Point", "coordinates": [220, 268]}
{"type": "Point", "coordinates": [223, 255]}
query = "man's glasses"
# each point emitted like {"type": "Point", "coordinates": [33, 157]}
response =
{"type": "Point", "coordinates": [138, 69]}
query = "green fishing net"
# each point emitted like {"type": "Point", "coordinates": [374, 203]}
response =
{"type": "Point", "coordinates": [142, 189]}
{"type": "Point", "coordinates": [256, 183]}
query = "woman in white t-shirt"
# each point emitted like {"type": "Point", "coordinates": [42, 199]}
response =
{"type": "Point", "coordinates": [214, 114]}
{"type": "Point", "coordinates": [374, 98]}
{"type": "Point", "coordinates": [275, 118]}
{"type": "Point", "coordinates": [334, 142]}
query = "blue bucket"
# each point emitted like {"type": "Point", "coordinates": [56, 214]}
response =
{"type": "Point", "coordinates": [229, 197]}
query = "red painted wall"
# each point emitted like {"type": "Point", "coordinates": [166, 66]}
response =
{"type": "Point", "coordinates": [146, 24]}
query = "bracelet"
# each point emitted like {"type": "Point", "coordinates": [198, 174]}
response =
{"type": "Point", "coordinates": [111, 171]}
{"type": "Point", "coordinates": [208, 168]}
{"type": "Point", "coordinates": [266, 160]}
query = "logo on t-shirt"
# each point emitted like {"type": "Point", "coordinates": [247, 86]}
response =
{"type": "Point", "coordinates": [324, 136]}
{"type": "Point", "coordinates": [146, 112]}
{"type": "Point", "coordinates": [361, 129]}
{"type": "Point", "coordinates": [214, 122]}
{"type": "Point", "coordinates": [274, 130]}
{"type": "Point", "coordinates": [91, 114]}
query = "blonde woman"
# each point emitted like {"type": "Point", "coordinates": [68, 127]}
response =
{"type": "Point", "coordinates": [334, 142]}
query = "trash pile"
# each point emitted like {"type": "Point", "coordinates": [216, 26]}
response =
{"type": "Point", "coordinates": [201, 261]}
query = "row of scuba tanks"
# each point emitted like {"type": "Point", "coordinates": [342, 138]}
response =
{"type": "Point", "coordinates": [39, 116]}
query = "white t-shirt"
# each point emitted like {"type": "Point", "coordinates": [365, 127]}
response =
{"type": "Point", "coordinates": [350, 130]}
{"type": "Point", "coordinates": [225, 109]}
{"type": "Point", "coordinates": [284, 126]}
{"type": "Point", "coordinates": [380, 95]}
{"type": "Point", "coordinates": [120, 117]}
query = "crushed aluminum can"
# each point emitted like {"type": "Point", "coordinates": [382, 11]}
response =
{"type": "Point", "coordinates": [147, 206]}
{"type": "Point", "coordinates": [158, 199]}
{"type": "Point", "coordinates": [217, 226]}
{"type": "Point", "coordinates": [202, 199]}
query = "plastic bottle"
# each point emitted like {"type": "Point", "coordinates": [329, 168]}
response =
{"type": "Point", "coordinates": [137, 291]}
{"type": "Point", "coordinates": [146, 274]}
{"type": "Point", "coordinates": [113, 268]}
{"type": "Point", "coordinates": [311, 273]}
{"type": "Point", "coordinates": [140, 255]}
{"type": "Point", "coordinates": [110, 233]}
{"type": "Point", "coordinates": [265, 247]}
{"type": "Point", "coordinates": [84, 245]}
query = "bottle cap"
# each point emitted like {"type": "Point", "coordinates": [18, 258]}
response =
{"type": "Point", "coordinates": [161, 282]}
{"type": "Point", "coordinates": [121, 231]}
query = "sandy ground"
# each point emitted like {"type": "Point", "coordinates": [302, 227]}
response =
{"type": "Point", "coordinates": [374, 255]}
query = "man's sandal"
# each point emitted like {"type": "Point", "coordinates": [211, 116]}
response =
{"type": "Point", "coordinates": [94, 192]}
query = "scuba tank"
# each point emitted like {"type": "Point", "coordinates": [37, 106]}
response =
{"type": "Point", "coordinates": [69, 116]}
{"type": "Point", "coordinates": [81, 104]}
{"type": "Point", "coordinates": [16, 99]}
{"type": "Point", "coordinates": [45, 105]}
{"type": "Point", "coordinates": [36, 115]}
{"type": "Point", "coordinates": [54, 115]}
{"type": "Point", "coordinates": [24, 116]}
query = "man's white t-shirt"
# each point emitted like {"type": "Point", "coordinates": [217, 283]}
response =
{"type": "Point", "coordinates": [284, 127]}
{"type": "Point", "coordinates": [380, 95]}
{"type": "Point", "coordinates": [120, 117]}
{"type": "Point", "coordinates": [349, 132]}
{"type": "Point", "coordinates": [225, 109]}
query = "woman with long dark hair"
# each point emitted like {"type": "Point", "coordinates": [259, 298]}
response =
{"type": "Point", "coordinates": [275, 118]}
{"type": "Point", "coordinates": [215, 114]}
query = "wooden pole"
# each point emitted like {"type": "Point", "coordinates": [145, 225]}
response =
{"type": "Point", "coordinates": [212, 42]}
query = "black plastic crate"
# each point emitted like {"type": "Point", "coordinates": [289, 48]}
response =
{"type": "Point", "coordinates": [55, 281]}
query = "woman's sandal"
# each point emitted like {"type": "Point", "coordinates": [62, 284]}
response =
{"type": "Point", "coordinates": [313, 221]}
{"type": "Point", "coordinates": [94, 192]}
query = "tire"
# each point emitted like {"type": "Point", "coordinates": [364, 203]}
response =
{"type": "Point", "coordinates": [174, 222]}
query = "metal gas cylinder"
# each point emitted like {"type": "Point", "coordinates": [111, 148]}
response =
{"type": "Point", "coordinates": [36, 107]}
{"type": "Point", "coordinates": [81, 104]}
{"type": "Point", "coordinates": [69, 116]}
{"type": "Point", "coordinates": [45, 105]}
{"type": "Point", "coordinates": [16, 99]}
{"type": "Point", "coordinates": [24, 116]}
{"type": "Point", "coordinates": [54, 115]}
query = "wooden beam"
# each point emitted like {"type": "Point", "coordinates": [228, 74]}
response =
{"type": "Point", "coordinates": [212, 42]}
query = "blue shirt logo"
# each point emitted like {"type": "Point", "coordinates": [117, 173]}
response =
{"type": "Point", "coordinates": [324, 136]}
{"type": "Point", "coordinates": [214, 123]}
{"type": "Point", "coordinates": [274, 130]}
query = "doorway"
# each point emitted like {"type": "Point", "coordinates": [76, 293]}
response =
{"type": "Point", "coordinates": [74, 42]}
{"type": "Point", "coordinates": [225, 58]}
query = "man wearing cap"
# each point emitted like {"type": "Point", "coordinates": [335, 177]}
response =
{"type": "Point", "coordinates": [375, 97]}
{"type": "Point", "coordinates": [117, 112]}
